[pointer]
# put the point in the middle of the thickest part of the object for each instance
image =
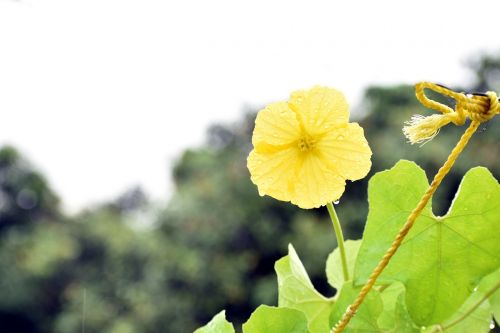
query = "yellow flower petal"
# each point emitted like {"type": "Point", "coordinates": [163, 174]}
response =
{"type": "Point", "coordinates": [347, 150]}
{"type": "Point", "coordinates": [275, 172]}
{"type": "Point", "coordinates": [319, 109]}
{"type": "Point", "coordinates": [305, 149]}
{"type": "Point", "coordinates": [276, 127]}
{"type": "Point", "coordinates": [317, 184]}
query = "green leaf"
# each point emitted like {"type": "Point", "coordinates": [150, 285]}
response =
{"type": "Point", "coordinates": [365, 319]}
{"type": "Point", "coordinates": [267, 319]}
{"type": "Point", "coordinates": [395, 316]}
{"type": "Point", "coordinates": [442, 258]}
{"type": "Point", "coordinates": [495, 305]}
{"type": "Point", "coordinates": [218, 324]}
{"type": "Point", "coordinates": [334, 264]}
{"type": "Point", "coordinates": [488, 283]}
{"type": "Point", "coordinates": [479, 320]}
{"type": "Point", "coordinates": [296, 291]}
{"type": "Point", "coordinates": [389, 297]}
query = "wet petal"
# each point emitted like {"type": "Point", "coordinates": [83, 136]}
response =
{"type": "Point", "coordinates": [276, 127]}
{"type": "Point", "coordinates": [275, 173]}
{"type": "Point", "coordinates": [317, 184]}
{"type": "Point", "coordinates": [319, 109]}
{"type": "Point", "coordinates": [305, 149]}
{"type": "Point", "coordinates": [347, 150]}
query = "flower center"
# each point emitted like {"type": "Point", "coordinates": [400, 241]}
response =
{"type": "Point", "coordinates": [306, 143]}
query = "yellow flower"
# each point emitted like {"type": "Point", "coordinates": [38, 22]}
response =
{"type": "Point", "coordinates": [305, 149]}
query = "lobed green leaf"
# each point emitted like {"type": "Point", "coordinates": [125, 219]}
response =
{"type": "Point", "coordinates": [442, 258]}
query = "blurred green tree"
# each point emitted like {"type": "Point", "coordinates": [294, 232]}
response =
{"type": "Point", "coordinates": [25, 195]}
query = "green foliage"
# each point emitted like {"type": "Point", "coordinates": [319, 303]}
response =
{"type": "Point", "coordinates": [334, 265]}
{"type": "Point", "coordinates": [218, 324]}
{"type": "Point", "coordinates": [479, 321]}
{"type": "Point", "coordinates": [263, 320]}
{"type": "Point", "coordinates": [296, 291]}
{"type": "Point", "coordinates": [365, 319]}
{"type": "Point", "coordinates": [438, 278]}
{"type": "Point", "coordinates": [475, 314]}
{"type": "Point", "coordinates": [278, 320]}
{"type": "Point", "coordinates": [25, 195]}
{"type": "Point", "coordinates": [442, 258]}
{"type": "Point", "coordinates": [487, 283]}
{"type": "Point", "coordinates": [395, 317]}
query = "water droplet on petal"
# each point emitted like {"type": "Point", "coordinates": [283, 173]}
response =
{"type": "Point", "coordinates": [492, 325]}
{"type": "Point", "coordinates": [336, 202]}
{"type": "Point", "coordinates": [340, 137]}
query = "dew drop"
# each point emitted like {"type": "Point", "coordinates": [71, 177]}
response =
{"type": "Point", "coordinates": [336, 202]}
{"type": "Point", "coordinates": [492, 325]}
{"type": "Point", "coordinates": [340, 137]}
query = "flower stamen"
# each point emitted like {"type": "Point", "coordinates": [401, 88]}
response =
{"type": "Point", "coordinates": [306, 143]}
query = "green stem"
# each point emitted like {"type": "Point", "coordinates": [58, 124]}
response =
{"type": "Point", "coordinates": [340, 238]}
{"type": "Point", "coordinates": [442, 328]}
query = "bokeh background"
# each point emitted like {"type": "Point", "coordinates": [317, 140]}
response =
{"type": "Point", "coordinates": [125, 201]}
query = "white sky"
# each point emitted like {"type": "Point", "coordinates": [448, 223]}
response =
{"type": "Point", "coordinates": [105, 94]}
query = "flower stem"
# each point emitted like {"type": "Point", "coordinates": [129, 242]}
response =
{"type": "Point", "coordinates": [340, 238]}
